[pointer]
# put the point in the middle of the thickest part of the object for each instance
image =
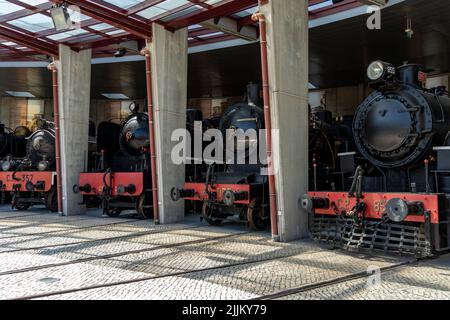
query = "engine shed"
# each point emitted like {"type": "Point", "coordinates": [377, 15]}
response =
{"type": "Point", "coordinates": [324, 120]}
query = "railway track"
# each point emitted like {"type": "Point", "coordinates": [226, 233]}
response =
{"type": "Point", "coordinates": [172, 274]}
{"type": "Point", "coordinates": [230, 265]}
{"type": "Point", "coordinates": [124, 253]}
{"type": "Point", "coordinates": [22, 216]}
{"type": "Point", "coordinates": [331, 282]}
{"type": "Point", "coordinates": [67, 230]}
{"type": "Point", "coordinates": [123, 237]}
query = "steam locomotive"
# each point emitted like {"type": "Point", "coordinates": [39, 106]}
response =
{"type": "Point", "coordinates": [398, 183]}
{"type": "Point", "coordinates": [28, 166]}
{"type": "Point", "coordinates": [230, 189]}
{"type": "Point", "coordinates": [120, 178]}
{"type": "Point", "coordinates": [328, 137]}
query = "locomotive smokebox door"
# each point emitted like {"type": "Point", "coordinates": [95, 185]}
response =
{"type": "Point", "coordinates": [443, 158]}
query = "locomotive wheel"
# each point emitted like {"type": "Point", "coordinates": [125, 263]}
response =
{"type": "Point", "coordinates": [256, 215]}
{"type": "Point", "coordinates": [144, 207]}
{"type": "Point", "coordinates": [206, 215]}
{"type": "Point", "coordinates": [22, 206]}
{"type": "Point", "coordinates": [113, 212]}
{"type": "Point", "coordinates": [51, 200]}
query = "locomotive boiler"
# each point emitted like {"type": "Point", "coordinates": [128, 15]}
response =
{"type": "Point", "coordinates": [398, 198]}
{"type": "Point", "coordinates": [234, 187]}
{"type": "Point", "coordinates": [120, 179]}
{"type": "Point", "coordinates": [30, 176]}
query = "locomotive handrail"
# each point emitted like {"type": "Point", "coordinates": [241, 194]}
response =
{"type": "Point", "coordinates": [108, 171]}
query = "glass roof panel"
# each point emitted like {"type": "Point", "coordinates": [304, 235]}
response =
{"type": "Point", "coordinates": [212, 2]}
{"type": "Point", "coordinates": [34, 23]}
{"type": "Point", "coordinates": [67, 34]}
{"type": "Point", "coordinates": [162, 8]}
{"type": "Point", "coordinates": [9, 43]}
{"type": "Point", "coordinates": [181, 13]}
{"type": "Point", "coordinates": [125, 4]}
{"type": "Point", "coordinates": [33, 2]}
{"type": "Point", "coordinates": [246, 13]}
{"type": "Point", "coordinates": [172, 4]}
{"type": "Point", "coordinates": [7, 7]}
{"type": "Point", "coordinates": [101, 26]}
{"type": "Point", "coordinates": [112, 33]}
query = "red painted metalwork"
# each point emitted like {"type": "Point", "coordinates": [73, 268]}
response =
{"type": "Point", "coordinates": [226, 9]}
{"type": "Point", "coordinates": [112, 17]}
{"type": "Point", "coordinates": [52, 67]}
{"type": "Point", "coordinates": [27, 41]}
{"type": "Point", "coordinates": [135, 25]}
{"type": "Point", "coordinates": [376, 203]}
{"type": "Point", "coordinates": [151, 127]}
{"type": "Point", "coordinates": [218, 190]}
{"type": "Point", "coordinates": [268, 123]}
{"type": "Point", "coordinates": [335, 8]}
{"type": "Point", "coordinates": [95, 181]}
{"type": "Point", "coordinates": [9, 180]}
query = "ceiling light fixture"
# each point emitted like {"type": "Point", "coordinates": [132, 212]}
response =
{"type": "Point", "coordinates": [61, 17]}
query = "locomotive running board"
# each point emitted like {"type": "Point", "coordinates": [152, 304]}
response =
{"type": "Point", "coordinates": [371, 236]}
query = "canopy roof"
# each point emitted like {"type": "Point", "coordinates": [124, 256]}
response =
{"type": "Point", "coordinates": [26, 26]}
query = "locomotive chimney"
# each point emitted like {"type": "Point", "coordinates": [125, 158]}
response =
{"type": "Point", "coordinates": [410, 74]}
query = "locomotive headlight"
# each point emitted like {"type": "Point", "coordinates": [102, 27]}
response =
{"type": "Point", "coordinates": [379, 70]}
{"type": "Point", "coordinates": [6, 165]}
{"type": "Point", "coordinates": [42, 165]}
{"type": "Point", "coordinates": [375, 70]}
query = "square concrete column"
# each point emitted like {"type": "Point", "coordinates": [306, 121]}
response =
{"type": "Point", "coordinates": [287, 37]}
{"type": "Point", "coordinates": [169, 53]}
{"type": "Point", "coordinates": [74, 79]}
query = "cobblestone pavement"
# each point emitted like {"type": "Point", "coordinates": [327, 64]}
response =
{"type": "Point", "coordinates": [47, 256]}
{"type": "Point", "coordinates": [424, 280]}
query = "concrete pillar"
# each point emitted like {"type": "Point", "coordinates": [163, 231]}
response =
{"type": "Point", "coordinates": [74, 79]}
{"type": "Point", "coordinates": [287, 23]}
{"type": "Point", "coordinates": [438, 81]}
{"type": "Point", "coordinates": [169, 76]}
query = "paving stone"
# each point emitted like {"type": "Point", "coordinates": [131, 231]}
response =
{"type": "Point", "coordinates": [186, 261]}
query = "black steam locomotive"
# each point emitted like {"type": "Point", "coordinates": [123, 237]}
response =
{"type": "Point", "coordinates": [328, 138]}
{"type": "Point", "coordinates": [397, 198]}
{"type": "Point", "coordinates": [120, 179]}
{"type": "Point", "coordinates": [235, 186]}
{"type": "Point", "coordinates": [28, 166]}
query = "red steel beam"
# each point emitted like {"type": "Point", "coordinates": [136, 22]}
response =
{"type": "Point", "coordinates": [222, 10]}
{"type": "Point", "coordinates": [29, 42]}
{"type": "Point", "coordinates": [112, 17]}
{"type": "Point", "coordinates": [142, 6]}
{"type": "Point", "coordinates": [27, 11]}
{"type": "Point", "coordinates": [335, 8]}
{"type": "Point", "coordinates": [103, 42]}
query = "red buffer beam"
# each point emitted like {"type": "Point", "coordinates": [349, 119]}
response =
{"type": "Point", "coordinates": [112, 17]}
